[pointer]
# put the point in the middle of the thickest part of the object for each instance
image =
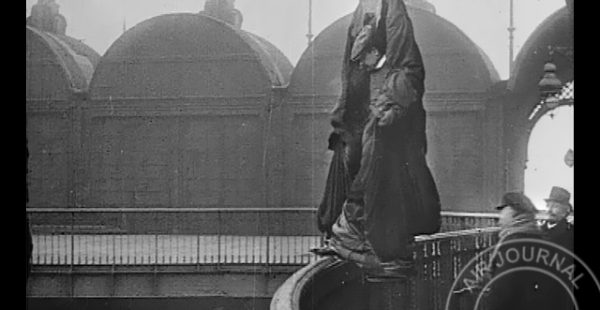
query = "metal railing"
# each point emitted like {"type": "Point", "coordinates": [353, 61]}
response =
{"type": "Point", "coordinates": [454, 221]}
{"type": "Point", "coordinates": [439, 258]}
{"type": "Point", "coordinates": [188, 236]}
{"type": "Point", "coordinates": [165, 236]}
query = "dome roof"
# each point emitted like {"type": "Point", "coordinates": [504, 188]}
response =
{"type": "Point", "coordinates": [452, 61]}
{"type": "Point", "coordinates": [57, 65]}
{"type": "Point", "coordinates": [81, 49]}
{"type": "Point", "coordinates": [281, 63]}
{"type": "Point", "coordinates": [529, 65]}
{"type": "Point", "coordinates": [188, 55]}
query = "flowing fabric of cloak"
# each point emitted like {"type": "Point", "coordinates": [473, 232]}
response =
{"type": "Point", "coordinates": [336, 188]}
{"type": "Point", "coordinates": [391, 195]}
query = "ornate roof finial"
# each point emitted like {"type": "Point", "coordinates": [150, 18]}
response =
{"type": "Point", "coordinates": [224, 10]}
{"type": "Point", "coordinates": [46, 17]}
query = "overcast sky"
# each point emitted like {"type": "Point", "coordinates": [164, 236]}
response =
{"type": "Point", "coordinates": [285, 22]}
{"type": "Point", "coordinates": [550, 140]}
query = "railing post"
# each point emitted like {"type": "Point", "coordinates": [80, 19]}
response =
{"type": "Point", "coordinates": [268, 251]}
{"type": "Point", "coordinates": [156, 241]}
{"type": "Point", "coordinates": [114, 263]}
{"type": "Point", "coordinates": [219, 232]}
{"type": "Point", "coordinates": [197, 251]}
{"type": "Point", "coordinates": [72, 253]}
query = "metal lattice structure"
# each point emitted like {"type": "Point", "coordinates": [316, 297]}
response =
{"type": "Point", "coordinates": [568, 91]}
{"type": "Point", "coordinates": [565, 97]}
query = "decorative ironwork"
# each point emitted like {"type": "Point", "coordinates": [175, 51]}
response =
{"type": "Point", "coordinates": [566, 96]}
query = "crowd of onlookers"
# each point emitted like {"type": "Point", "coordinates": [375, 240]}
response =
{"type": "Point", "coordinates": [527, 289]}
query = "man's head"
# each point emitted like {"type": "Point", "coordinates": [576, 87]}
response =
{"type": "Point", "coordinates": [513, 205]}
{"type": "Point", "coordinates": [507, 215]}
{"type": "Point", "coordinates": [558, 203]}
{"type": "Point", "coordinates": [558, 211]}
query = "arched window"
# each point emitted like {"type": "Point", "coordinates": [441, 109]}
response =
{"type": "Point", "coordinates": [550, 149]}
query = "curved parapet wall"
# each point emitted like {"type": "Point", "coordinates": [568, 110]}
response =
{"type": "Point", "coordinates": [333, 284]}
{"type": "Point", "coordinates": [325, 284]}
{"type": "Point", "coordinates": [461, 125]}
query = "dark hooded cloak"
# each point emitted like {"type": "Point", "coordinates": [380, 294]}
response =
{"type": "Point", "coordinates": [386, 174]}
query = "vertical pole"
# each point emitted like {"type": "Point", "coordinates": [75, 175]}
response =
{"type": "Point", "coordinates": [309, 35]}
{"type": "Point", "coordinates": [511, 30]}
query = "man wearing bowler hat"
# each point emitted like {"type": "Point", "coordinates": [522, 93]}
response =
{"type": "Point", "coordinates": [557, 228]}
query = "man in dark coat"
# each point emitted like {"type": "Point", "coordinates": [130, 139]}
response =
{"type": "Point", "coordinates": [517, 220]}
{"type": "Point", "coordinates": [557, 228]}
{"type": "Point", "coordinates": [509, 284]}
{"type": "Point", "coordinates": [379, 135]}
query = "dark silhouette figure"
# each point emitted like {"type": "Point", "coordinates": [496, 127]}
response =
{"type": "Point", "coordinates": [380, 192]}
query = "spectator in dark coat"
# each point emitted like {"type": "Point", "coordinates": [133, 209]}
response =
{"type": "Point", "coordinates": [522, 289]}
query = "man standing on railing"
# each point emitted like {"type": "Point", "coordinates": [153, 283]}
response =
{"type": "Point", "coordinates": [383, 193]}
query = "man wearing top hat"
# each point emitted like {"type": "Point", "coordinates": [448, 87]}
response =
{"type": "Point", "coordinates": [557, 228]}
